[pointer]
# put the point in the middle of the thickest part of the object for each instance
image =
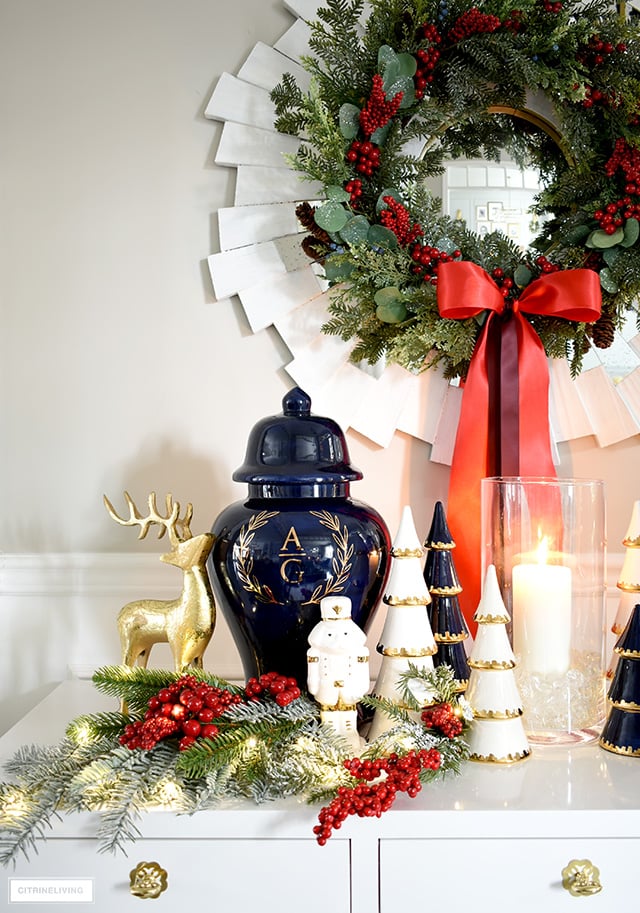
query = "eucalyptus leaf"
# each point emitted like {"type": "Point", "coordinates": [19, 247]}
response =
{"type": "Point", "coordinates": [386, 57]}
{"type": "Point", "coordinates": [379, 136]}
{"type": "Point", "coordinates": [379, 236]}
{"type": "Point", "coordinates": [387, 192]}
{"type": "Point", "coordinates": [610, 255]}
{"type": "Point", "coordinates": [522, 275]}
{"type": "Point", "coordinates": [338, 194]}
{"type": "Point", "coordinates": [331, 216]}
{"type": "Point", "coordinates": [388, 295]}
{"type": "Point", "coordinates": [578, 234]}
{"type": "Point", "coordinates": [600, 239]}
{"type": "Point", "coordinates": [405, 85]}
{"type": "Point", "coordinates": [607, 281]}
{"type": "Point", "coordinates": [446, 244]}
{"type": "Point", "coordinates": [356, 230]}
{"type": "Point", "coordinates": [631, 233]}
{"type": "Point", "coordinates": [408, 65]}
{"type": "Point", "coordinates": [349, 120]}
{"type": "Point", "coordinates": [390, 307]}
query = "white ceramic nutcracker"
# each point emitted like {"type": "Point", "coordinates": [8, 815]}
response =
{"type": "Point", "coordinates": [338, 667]}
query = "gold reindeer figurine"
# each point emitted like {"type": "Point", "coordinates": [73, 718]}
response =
{"type": "Point", "coordinates": [185, 623]}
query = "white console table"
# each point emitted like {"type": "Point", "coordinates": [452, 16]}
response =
{"type": "Point", "coordinates": [492, 838]}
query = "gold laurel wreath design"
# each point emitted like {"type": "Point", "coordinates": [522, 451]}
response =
{"type": "Point", "coordinates": [341, 564]}
{"type": "Point", "coordinates": [244, 561]}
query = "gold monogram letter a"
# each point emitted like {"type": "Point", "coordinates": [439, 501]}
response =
{"type": "Point", "coordinates": [291, 538]}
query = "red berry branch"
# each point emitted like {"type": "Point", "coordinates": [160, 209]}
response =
{"type": "Point", "coordinates": [444, 719]}
{"type": "Point", "coordinates": [379, 780]}
{"type": "Point", "coordinates": [378, 110]}
{"type": "Point", "coordinates": [365, 156]}
{"type": "Point", "coordinates": [426, 58]}
{"type": "Point", "coordinates": [393, 775]}
{"type": "Point", "coordinates": [189, 708]}
{"type": "Point", "coordinates": [427, 259]}
{"type": "Point", "coordinates": [473, 22]}
{"type": "Point", "coordinates": [396, 219]}
{"type": "Point", "coordinates": [625, 158]}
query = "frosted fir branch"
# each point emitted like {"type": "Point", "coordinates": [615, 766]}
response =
{"type": "Point", "coordinates": [439, 682]}
{"type": "Point", "coordinates": [136, 775]}
{"type": "Point", "coordinates": [31, 804]}
{"type": "Point", "coordinates": [94, 726]}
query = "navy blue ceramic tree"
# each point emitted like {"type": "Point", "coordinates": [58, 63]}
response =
{"type": "Point", "coordinates": [445, 615]}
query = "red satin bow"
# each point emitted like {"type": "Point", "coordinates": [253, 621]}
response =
{"type": "Point", "coordinates": [504, 417]}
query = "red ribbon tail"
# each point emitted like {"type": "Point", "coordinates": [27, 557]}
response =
{"type": "Point", "coordinates": [513, 442]}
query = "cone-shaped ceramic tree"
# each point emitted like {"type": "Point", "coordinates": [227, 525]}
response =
{"type": "Point", "coordinates": [447, 621]}
{"type": "Point", "coordinates": [406, 637]}
{"type": "Point", "coordinates": [628, 582]}
{"type": "Point", "coordinates": [497, 734]}
{"type": "Point", "coordinates": [621, 731]}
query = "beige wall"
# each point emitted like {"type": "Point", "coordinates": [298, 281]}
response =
{"type": "Point", "coordinates": [119, 370]}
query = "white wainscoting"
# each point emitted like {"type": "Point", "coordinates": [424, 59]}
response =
{"type": "Point", "coordinates": [58, 620]}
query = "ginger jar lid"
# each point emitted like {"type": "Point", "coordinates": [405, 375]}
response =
{"type": "Point", "coordinates": [297, 453]}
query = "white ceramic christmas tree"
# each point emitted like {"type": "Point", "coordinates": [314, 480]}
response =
{"type": "Point", "coordinates": [406, 637]}
{"type": "Point", "coordinates": [628, 582]}
{"type": "Point", "coordinates": [496, 733]}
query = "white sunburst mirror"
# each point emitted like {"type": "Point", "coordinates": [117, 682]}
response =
{"type": "Point", "coordinates": [261, 261]}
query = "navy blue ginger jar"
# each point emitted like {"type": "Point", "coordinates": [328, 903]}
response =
{"type": "Point", "coordinates": [297, 538]}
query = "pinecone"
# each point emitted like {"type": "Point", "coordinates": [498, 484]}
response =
{"type": "Point", "coordinates": [305, 213]}
{"type": "Point", "coordinates": [604, 331]}
{"type": "Point", "coordinates": [313, 248]}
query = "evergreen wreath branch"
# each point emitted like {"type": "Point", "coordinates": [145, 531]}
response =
{"type": "Point", "coordinates": [451, 64]}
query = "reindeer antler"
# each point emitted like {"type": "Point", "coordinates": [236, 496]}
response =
{"type": "Point", "coordinates": [171, 524]}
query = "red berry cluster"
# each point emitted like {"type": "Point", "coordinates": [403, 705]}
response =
{"type": "Point", "coordinates": [596, 51]}
{"type": "Point", "coordinates": [186, 706]}
{"type": "Point", "coordinates": [625, 158]}
{"type": "Point", "coordinates": [397, 773]}
{"type": "Point", "coordinates": [552, 7]}
{"type": "Point", "coordinates": [473, 22]}
{"type": "Point", "coordinates": [282, 689]}
{"type": "Point", "coordinates": [427, 58]}
{"type": "Point", "coordinates": [365, 156]}
{"type": "Point", "coordinates": [594, 96]}
{"type": "Point", "coordinates": [427, 259]}
{"type": "Point", "coordinates": [513, 22]}
{"type": "Point", "coordinates": [354, 188]}
{"type": "Point", "coordinates": [378, 111]}
{"type": "Point", "coordinates": [505, 283]}
{"type": "Point", "coordinates": [396, 219]}
{"type": "Point", "coordinates": [614, 215]}
{"type": "Point", "coordinates": [546, 266]}
{"type": "Point", "coordinates": [442, 718]}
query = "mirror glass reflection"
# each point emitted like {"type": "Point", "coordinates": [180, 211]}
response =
{"type": "Point", "coordinates": [499, 196]}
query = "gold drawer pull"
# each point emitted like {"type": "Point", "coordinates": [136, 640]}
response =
{"type": "Point", "coordinates": [581, 878]}
{"type": "Point", "coordinates": [148, 879]}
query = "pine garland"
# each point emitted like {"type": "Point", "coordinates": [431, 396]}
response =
{"type": "Point", "coordinates": [451, 62]}
{"type": "Point", "coordinates": [266, 747]}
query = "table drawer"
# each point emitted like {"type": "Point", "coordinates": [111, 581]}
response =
{"type": "Point", "coordinates": [225, 875]}
{"type": "Point", "coordinates": [522, 874]}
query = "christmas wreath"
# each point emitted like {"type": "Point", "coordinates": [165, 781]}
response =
{"type": "Point", "coordinates": [419, 82]}
{"type": "Point", "coordinates": [186, 742]}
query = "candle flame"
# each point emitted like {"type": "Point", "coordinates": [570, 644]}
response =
{"type": "Point", "coordinates": [542, 554]}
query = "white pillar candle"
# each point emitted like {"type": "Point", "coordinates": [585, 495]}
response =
{"type": "Point", "coordinates": [542, 615]}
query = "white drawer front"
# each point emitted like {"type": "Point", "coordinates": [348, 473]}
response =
{"type": "Point", "coordinates": [222, 875]}
{"type": "Point", "coordinates": [520, 874]}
